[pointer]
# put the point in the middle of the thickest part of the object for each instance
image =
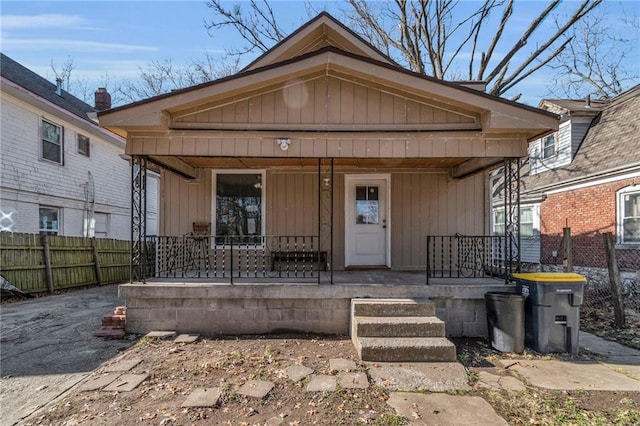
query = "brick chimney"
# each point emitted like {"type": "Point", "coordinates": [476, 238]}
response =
{"type": "Point", "coordinates": [102, 99]}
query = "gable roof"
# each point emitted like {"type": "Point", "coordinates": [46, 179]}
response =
{"type": "Point", "coordinates": [611, 144]}
{"type": "Point", "coordinates": [322, 31]}
{"type": "Point", "coordinates": [498, 113]}
{"type": "Point", "coordinates": [29, 80]}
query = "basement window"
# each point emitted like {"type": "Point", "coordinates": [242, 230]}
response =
{"type": "Point", "coordinates": [49, 220]}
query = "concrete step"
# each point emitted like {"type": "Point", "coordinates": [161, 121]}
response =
{"type": "Point", "coordinates": [399, 327]}
{"type": "Point", "coordinates": [392, 307]}
{"type": "Point", "coordinates": [405, 349]}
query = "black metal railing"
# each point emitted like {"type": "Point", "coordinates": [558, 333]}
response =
{"type": "Point", "coordinates": [232, 258]}
{"type": "Point", "coordinates": [464, 256]}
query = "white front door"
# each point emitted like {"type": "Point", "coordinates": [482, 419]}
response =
{"type": "Point", "coordinates": [366, 220]}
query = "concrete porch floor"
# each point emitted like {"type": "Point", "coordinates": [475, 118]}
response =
{"type": "Point", "coordinates": [374, 276]}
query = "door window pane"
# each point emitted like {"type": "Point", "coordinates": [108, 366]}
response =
{"type": "Point", "coordinates": [367, 205]}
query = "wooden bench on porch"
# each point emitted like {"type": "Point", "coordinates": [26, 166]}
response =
{"type": "Point", "coordinates": [299, 256]}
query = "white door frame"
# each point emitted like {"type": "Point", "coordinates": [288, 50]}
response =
{"type": "Point", "coordinates": [348, 180]}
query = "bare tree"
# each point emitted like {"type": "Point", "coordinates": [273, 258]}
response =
{"type": "Point", "coordinates": [163, 76]}
{"type": "Point", "coordinates": [64, 72]}
{"type": "Point", "coordinates": [595, 60]}
{"type": "Point", "coordinates": [429, 36]}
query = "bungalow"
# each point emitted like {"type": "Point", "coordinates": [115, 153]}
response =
{"type": "Point", "coordinates": [322, 162]}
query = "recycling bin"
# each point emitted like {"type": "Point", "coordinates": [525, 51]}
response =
{"type": "Point", "coordinates": [551, 310]}
{"type": "Point", "coordinates": [505, 320]}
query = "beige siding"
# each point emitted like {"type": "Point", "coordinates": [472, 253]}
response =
{"type": "Point", "coordinates": [327, 100]}
{"type": "Point", "coordinates": [184, 202]}
{"type": "Point", "coordinates": [344, 145]}
{"type": "Point", "coordinates": [292, 204]}
{"type": "Point", "coordinates": [422, 203]}
{"type": "Point", "coordinates": [431, 204]}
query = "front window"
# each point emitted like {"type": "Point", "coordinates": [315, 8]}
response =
{"type": "Point", "coordinates": [239, 207]}
{"type": "Point", "coordinates": [49, 220]}
{"type": "Point", "coordinates": [629, 215]}
{"type": "Point", "coordinates": [549, 146]}
{"type": "Point", "coordinates": [52, 142]}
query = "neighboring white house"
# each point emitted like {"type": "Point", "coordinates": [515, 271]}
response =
{"type": "Point", "coordinates": [61, 173]}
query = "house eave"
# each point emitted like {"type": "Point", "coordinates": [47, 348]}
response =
{"type": "Point", "coordinates": [86, 124]}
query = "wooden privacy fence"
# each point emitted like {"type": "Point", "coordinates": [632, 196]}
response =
{"type": "Point", "coordinates": [38, 263]}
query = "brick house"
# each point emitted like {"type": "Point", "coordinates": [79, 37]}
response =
{"type": "Point", "coordinates": [62, 173]}
{"type": "Point", "coordinates": [586, 176]}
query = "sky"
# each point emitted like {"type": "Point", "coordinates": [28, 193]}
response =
{"type": "Point", "coordinates": [111, 40]}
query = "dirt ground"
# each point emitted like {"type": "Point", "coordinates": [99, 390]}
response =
{"type": "Point", "coordinates": [48, 351]}
{"type": "Point", "coordinates": [175, 370]}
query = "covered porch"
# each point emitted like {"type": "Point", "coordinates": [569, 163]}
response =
{"type": "Point", "coordinates": [321, 173]}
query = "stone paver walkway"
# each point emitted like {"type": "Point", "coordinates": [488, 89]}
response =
{"type": "Point", "coordinates": [413, 379]}
{"type": "Point", "coordinates": [444, 410]}
{"type": "Point", "coordinates": [204, 397]}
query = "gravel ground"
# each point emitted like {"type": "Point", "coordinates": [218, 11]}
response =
{"type": "Point", "coordinates": [47, 345]}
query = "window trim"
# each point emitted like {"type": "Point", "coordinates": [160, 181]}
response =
{"type": "Point", "coordinates": [634, 189]}
{"type": "Point", "coordinates": [58, 230]}
{"type": "Point", "coordinates": [60, 144]}
{"type": "Point", "coordinates": [214, 201]}
{"type": "Point", "coordinates": [86, 153]}
{"type": "Point", "coordinates": [543, 147]}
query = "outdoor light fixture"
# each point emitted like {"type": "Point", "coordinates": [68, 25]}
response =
{"type": "Point", "coordinates": [283, 143]}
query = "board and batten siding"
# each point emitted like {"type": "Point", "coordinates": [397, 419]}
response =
{"type": "Point", "coordinates": [328, 100]}
{"type": "Point", "coordinates": [432, 204]}
{"type": "Point", "coordinates": [328, 145]}
{"type": "Point", "coordinates": [422, 203]}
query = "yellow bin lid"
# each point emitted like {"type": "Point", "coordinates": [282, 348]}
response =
{"type": "Point", "coordinates": [551, 277]}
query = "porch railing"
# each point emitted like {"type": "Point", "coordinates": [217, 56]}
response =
{"type": "Point", "coordinates": [463, 256]}
{"type": "Point", "coordinates": [233, 258]}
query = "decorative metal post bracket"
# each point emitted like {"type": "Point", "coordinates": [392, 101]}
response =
{"type": "Point", "coordinates": [325, 213]}
{"type": "Point", "coordinates": [512, 216]}
{"type": "Point", "coordinates": [138, 269]}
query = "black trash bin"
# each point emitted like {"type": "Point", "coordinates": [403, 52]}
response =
{"type": "Point", "coordinates": [552, 310]}
{"type": "Point", "coordinates": [505, 320]}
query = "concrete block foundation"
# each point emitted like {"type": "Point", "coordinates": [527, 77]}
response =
{"type": "Point", "coordinates": [223, 309]}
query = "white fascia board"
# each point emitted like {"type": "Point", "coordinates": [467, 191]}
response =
{"type": "Point", "coordinates": [599, 179]}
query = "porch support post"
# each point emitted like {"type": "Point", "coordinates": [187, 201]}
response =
{"type": "Point", "coordinates": [512, 216]}
{"type": "Point", "coordinates": [325, 213]}
{"type": "Point", "coordinates": [138, 248]}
